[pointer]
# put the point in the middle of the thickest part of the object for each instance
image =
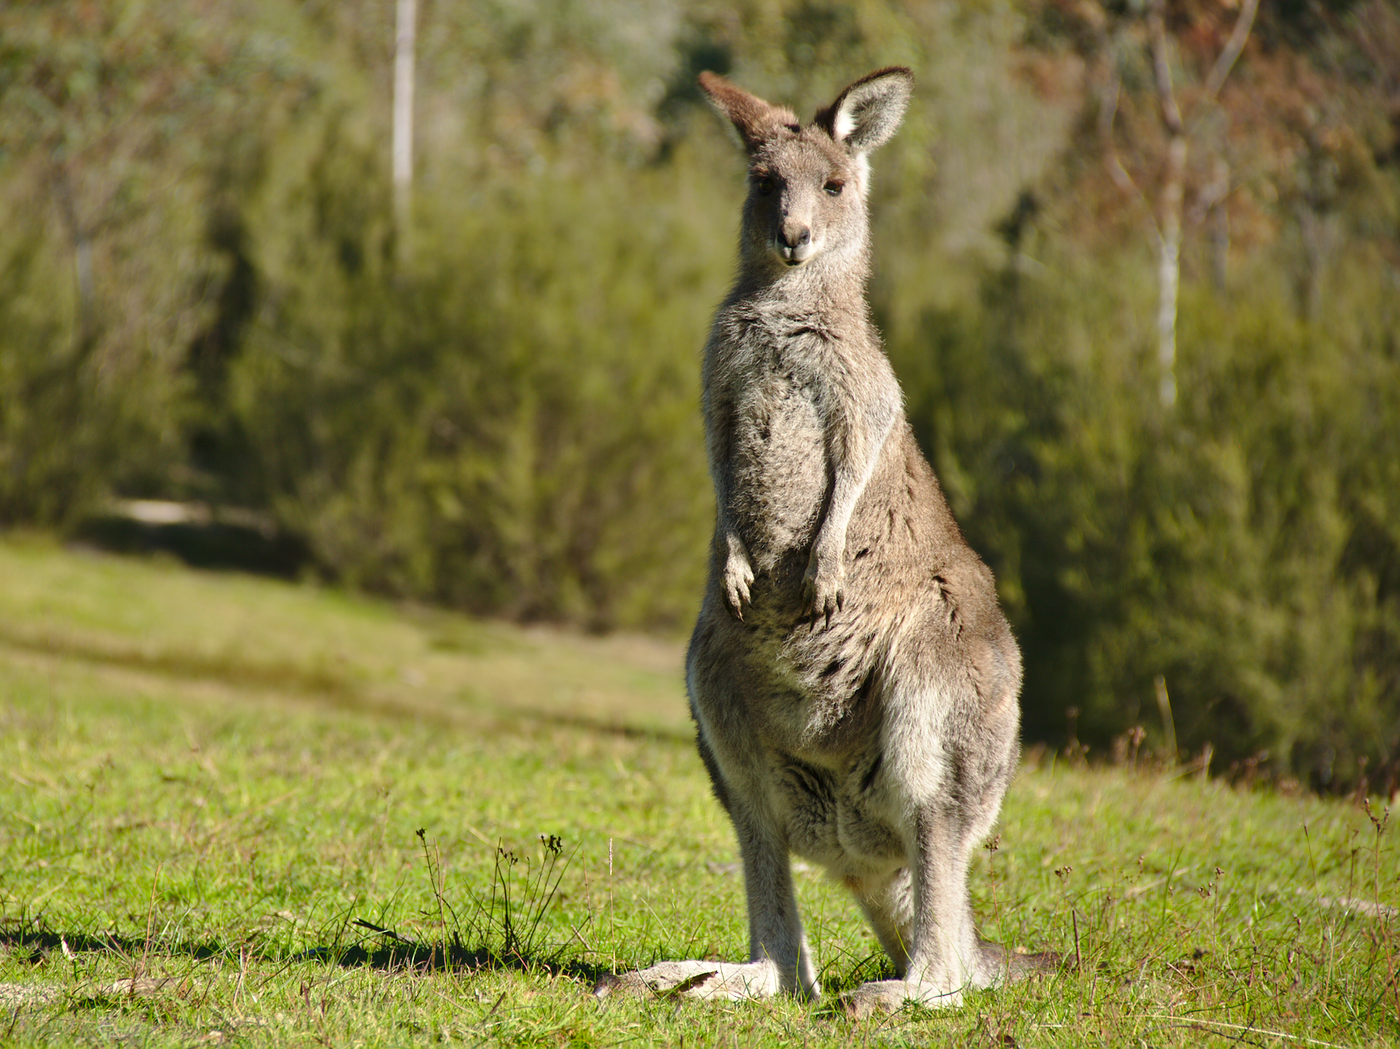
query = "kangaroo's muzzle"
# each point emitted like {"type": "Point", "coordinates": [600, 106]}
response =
{"type": "Point", "coordinates": [793, 242]}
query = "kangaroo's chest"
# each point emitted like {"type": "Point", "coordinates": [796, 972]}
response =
{"type": "Point", "coordinates": [779, 466]}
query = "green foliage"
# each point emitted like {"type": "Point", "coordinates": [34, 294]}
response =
{"type": "Point", "coordinates": [1231, 545]}
{"type": "Point", "coordinates": [76, 411]}
{"type": "Point", "coordinates": [102, 149]}
{"type": "Point", "coordinates": [432, 438]}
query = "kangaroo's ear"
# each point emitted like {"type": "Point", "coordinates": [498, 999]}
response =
{"type": "Point", "coordinates": [755, 119]}
{"type": "Point", "coordinates": [866, 114]}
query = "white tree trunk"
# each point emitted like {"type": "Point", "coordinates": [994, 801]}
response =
{"type": "Point", "coordinates": [1169, 219]}
{"type": "Point", "coordinates": [1169, 267]}
{"type": "Point", "coordinates": [404, 44]}
{"type": "Point", "coordinates": [1174, 176]}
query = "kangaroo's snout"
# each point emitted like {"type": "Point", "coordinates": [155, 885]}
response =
{"type": "Point", "coordinates": [794, 242]}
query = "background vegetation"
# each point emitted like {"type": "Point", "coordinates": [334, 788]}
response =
{"type": "Point", "coordinates": [204, 297]}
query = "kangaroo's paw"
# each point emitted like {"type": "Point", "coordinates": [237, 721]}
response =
{"type": "Point", "coordinates": [822, 585]}
{"type": "Point", "coordinates": [696, 979]}
{"type": "Point", "coordinates": [738, 578]}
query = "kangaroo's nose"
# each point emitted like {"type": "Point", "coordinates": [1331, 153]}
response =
{"type": "Point", "coordinates": [795, 235]}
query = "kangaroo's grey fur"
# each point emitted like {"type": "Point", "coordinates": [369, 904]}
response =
{"type": "Point", "coordinates": [854, 682]}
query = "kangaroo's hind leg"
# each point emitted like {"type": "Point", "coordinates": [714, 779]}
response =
{"type": "Point", "coordinates": [950, 744]}
{"type": "Point", "coordinates": [888, 903]}
{"type": "Point", "coordinates": [779, 958]}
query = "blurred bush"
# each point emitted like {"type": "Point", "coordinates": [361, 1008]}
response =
{"type": "Point", "coordinates": [81, 406]}
{"type": "Point", "coordinates": [1244, 546]}
{"type": "Point", "coordinates": [506, 420]}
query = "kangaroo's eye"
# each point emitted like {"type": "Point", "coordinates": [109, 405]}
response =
{"type": "Point", "coordinates": [834, 188]}
{"type": "Point", "coordinates": [765, 185]}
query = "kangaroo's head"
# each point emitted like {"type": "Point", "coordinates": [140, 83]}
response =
{"type": "Point", "coordinates": [807, 185]}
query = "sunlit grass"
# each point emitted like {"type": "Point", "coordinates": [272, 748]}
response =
{"type": "Point", "coordinates": [213, 788]}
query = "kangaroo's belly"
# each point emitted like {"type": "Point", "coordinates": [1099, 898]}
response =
{"type": "Point", "coordinates": [838, 818]}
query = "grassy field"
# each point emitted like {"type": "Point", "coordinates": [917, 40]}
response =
{"type": "Point", "coordinates": [235, 811]}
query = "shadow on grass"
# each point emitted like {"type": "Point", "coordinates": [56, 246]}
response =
{"type": "Point", "coordinates": [392, 953]}
{"type": "Point", "coordinates": [505, 925]}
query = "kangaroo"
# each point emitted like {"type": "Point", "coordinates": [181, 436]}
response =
{"type": "Point", "coordinates": [852, 678]}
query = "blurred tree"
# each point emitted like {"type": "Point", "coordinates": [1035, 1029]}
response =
{"type": "Point", "coordinates": [1165, 219]}
{"type": "Point", "coordinates": [94, 96]}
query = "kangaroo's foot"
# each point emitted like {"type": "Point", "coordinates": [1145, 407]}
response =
{"type": "Point", "coordinates": [697, 979]}
{"type": "Point", "coordinates": [888, 996]}
{"type": "Point", "coordinates": [996, 965]}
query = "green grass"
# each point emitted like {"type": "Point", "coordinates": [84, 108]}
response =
{"type": "Point", "coordinates": [212, 788]}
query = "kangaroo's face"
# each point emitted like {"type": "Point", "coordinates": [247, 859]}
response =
{"type": "Point", "coordinates": [806, 196]}
{"type": "Point", "coordinates": [807, 185]}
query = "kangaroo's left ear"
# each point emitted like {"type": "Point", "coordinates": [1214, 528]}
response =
{"type": "Point", "coordinates": [866, 114]}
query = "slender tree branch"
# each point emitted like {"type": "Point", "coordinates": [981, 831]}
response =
{"type": "Point", "coordinates": [1233, 47]}
{"type": "Point", "coordinates": [1108, 112]}
{"type": "Point", "coordinates": [405, 45]}
{"type": "Point", "coordinates": [1161, 66]}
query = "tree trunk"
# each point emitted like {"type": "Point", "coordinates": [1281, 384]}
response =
{"type": "Point", "coordinates": [1169, 221]}
{"type": "Point", "coordinates": [404, 45]}
{"type": "Point", "coordinates": [1169, 267]}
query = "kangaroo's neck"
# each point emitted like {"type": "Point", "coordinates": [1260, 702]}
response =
{"type": "Point", "coordinates": [832, 284]}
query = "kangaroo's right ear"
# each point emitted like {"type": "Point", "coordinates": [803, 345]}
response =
{"type": "Point", "coordinates": [755, 119]}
